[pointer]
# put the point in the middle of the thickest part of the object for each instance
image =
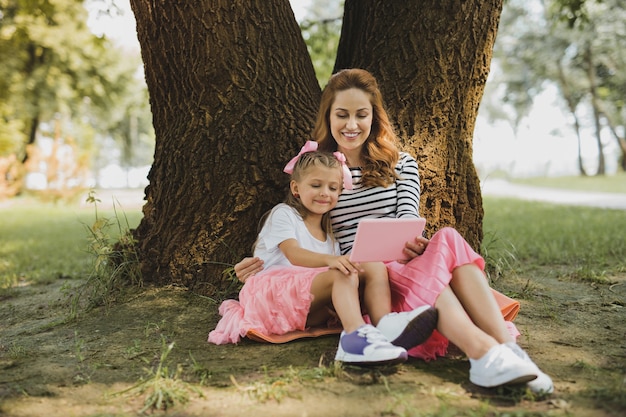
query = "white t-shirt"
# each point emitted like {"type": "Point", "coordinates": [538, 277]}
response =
{"type": "Point", "coordinates": [284, 223]}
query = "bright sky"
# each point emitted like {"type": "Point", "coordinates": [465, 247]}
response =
{"type": "Point", "coordinates": [121, 28]}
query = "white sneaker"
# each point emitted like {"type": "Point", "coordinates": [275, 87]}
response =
{"type": "Point", "coordinates": [409, 329]}
{"type": "Point", "coordinates": [500, 366]}
{"type": "Point", "coordinates": [543, 384]}
{"type": "Point", "coordinates": [367, 346]}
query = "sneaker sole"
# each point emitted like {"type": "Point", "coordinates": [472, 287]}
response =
{"type": "Point", "coordinates": [358, 361]}
{"type": "Point", "coordinates": [418, 330]}
{"type": "Point", "coordinates": [515, 381]}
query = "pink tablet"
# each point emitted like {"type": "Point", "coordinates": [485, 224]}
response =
{"type": "Point", "coordinates": [384, 239]}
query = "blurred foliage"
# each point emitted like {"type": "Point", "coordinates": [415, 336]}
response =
{"type": "Point", "coordinates": [577, 46]}
{"type": "Point", "coordinates": [56, 72]}
{"type": "Point", "coordinates": [321, 30]}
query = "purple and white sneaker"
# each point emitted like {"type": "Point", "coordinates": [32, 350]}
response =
{"type": "Point", "coordinates": [410, 328]}
{"type": "Point", "coordinates": [367, 346]}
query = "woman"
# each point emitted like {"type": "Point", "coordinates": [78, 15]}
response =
{"type": "Point", "coordinates": [444, 271]}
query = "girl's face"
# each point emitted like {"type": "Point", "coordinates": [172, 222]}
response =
{"type": "Point", "coordinates": [351, 116]}
{"type": "Point", "coordinates": [319, 188]}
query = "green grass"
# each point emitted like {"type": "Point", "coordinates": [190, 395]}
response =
{"type": "Point", "coordinates": [583, 242]}
{"type": "Point", "coordinates": [607, 183]}
{"type": "Point", "coordinates": [42, 242]}
{"type": "Point", "coordinates": [537, 234]}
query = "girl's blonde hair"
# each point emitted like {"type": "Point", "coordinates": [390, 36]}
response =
{"type": "Point", "coordinates": [380, 152]}
{"type": "Point", "coordinates": [305, 162]}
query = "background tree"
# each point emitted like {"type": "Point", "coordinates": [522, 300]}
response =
{"type": "Point", "coordinates": [233, 93]}
{"type": "Point", "coordinates": [127, 130]}
{"type": "Point", "coordinates": [607, 69]}
{"type": "Point", "coordinates": [577, 46]}
{"type": "Point", "coordinates": [56, 72]}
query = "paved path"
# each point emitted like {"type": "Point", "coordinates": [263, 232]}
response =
{"type": "Point", "coordinates": [503, 188]}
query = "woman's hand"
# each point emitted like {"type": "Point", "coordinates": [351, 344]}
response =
{"type": "Point", "coordinates": [247, 267]}
{"type": "Point", "coordinates": [415, 248]}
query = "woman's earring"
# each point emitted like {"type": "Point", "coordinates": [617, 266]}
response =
{"type": "Point", "coordinates": [296, 195]}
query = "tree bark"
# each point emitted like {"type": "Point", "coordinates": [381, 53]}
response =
{"type": "Point", "coordinates": [233, 96]}
{"type": "Point", "coordinates": [432, 59]}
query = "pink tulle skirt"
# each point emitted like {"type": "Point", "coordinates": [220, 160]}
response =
{"type": "Point", "coordinates": [275, 301]}
{"type": "Point", "coordinates": [420, 281]}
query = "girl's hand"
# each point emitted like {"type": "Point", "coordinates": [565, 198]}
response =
{"type": "Point", "coordinates": [415, 248]}
{"type": "Point", "coordinates": [343, 264]}
{"type": "Point", "coordinates": [247, 267]}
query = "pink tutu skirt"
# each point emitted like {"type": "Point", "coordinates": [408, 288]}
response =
{"type": "Point", "coordinates": [275, 301]}
{"type": "Point", "coordinates": [420, 281]}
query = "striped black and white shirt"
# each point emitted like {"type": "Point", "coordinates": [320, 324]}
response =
{"type": "Point", "coordinates": [400, 199]}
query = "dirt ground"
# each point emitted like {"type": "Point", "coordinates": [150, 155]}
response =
{"type": "Point", "coordinates": [575, 331]}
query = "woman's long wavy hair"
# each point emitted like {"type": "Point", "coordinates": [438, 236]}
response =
{"type": "Point", "coordinates": [305, 162]}
{"type": "Point", "coordinates": [380, 151]}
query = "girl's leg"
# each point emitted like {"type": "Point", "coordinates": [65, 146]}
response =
{"type": "Point", "coordinates": [359, 343]}
{"type": "Point", "coordinates": [343, 292]}
{"type": "Point", "coordinates": [473, 292]}
{"type": "Point", "coordinates": [376, 291]}
{"type": "Point", "coordinates": [407, 329]}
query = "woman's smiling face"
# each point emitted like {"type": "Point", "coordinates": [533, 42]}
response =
{"type": "Point", "coordinates": [351, 116]}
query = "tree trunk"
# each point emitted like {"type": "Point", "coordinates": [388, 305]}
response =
{"type": "Point", "coordinates": [233, 96]}
{"type": "Point", "coordinates": [621, 142]}
{"type": "Point", "coordinates": [591, 77]}
{"type": "Point", "coordinates": [31, 136]}
{"type": "Point", "coordinates": [566, 91]}
{"type": "Point", "coordinates": [432, 59]}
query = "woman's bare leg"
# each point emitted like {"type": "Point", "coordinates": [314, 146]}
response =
{"type": "Point", "coordinates": [473, 292]}
{"type": "Point", "coordinates": [458, 328]}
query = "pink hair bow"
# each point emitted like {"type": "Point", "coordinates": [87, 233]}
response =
{"type": "Point", "coordinates": [311, 146]}
{"type": "Point", "coordinates": [347, 176]}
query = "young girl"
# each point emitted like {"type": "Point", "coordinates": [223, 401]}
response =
{"type": "Point", "coordinates": [307, 282]}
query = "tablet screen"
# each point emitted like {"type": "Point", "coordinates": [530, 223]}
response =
{"type": "Point", "coordinates": [384, 239]}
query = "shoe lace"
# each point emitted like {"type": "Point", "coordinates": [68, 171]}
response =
{"type": "Point", "coordinates": [519, 351]}
{"type": "Point", "coordinates": [372, 335]}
